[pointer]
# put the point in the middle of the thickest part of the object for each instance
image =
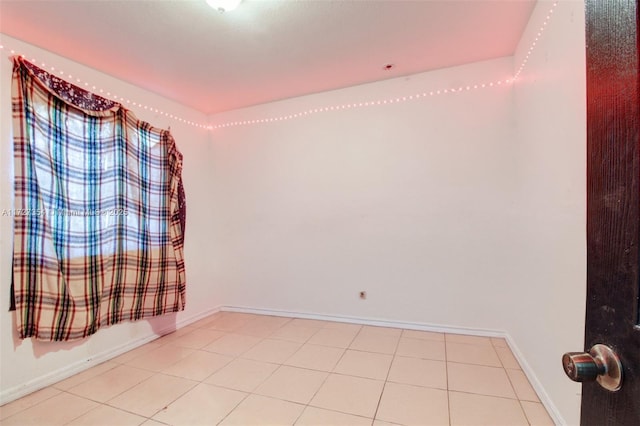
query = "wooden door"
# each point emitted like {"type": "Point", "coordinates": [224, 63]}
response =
{"type": "Point", "coordinates": [613, 205]}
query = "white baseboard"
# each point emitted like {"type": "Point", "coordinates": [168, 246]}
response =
{"type": "Point", "coordinates": [370, 321]}
{"type": "Point", "coordinates": [526, 368]}
{"type": "Point", "coordinates": [544, 397]}
{"type": "Point", "coordinates": [11, 394]}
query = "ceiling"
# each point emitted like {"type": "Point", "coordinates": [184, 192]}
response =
{"type": "Point", "coordinates": [265, 50]}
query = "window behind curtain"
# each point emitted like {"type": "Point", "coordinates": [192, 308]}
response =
{"type": "Point", "coordinates": [99, 219]}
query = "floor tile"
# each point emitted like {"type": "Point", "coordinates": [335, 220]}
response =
{"type": "Point", "coordinates": [413, 405]}
{"type": "Point", "coordinates": [242, 374]}
{"type": "Point", "coordinates": [294, 333]}
{"type": "Point", "coordinates": [315, 357]}
{"type": "Point", "coordinates": [160, 358]}
{"type": "Point", "coordinates": [364, 364]}
{"type": "Point", "coordinates": [499, 342]}
{"type": "Point", "coordinates": [472, 340]}
{"type": "Point", "coordinates": [520, 383]}
{"type": "Point", "coordinates": [85, 375]}
{"type": "Point", "coordinates": [111, 383]}
{"type": "Point", "coordinates": [419, 372]}
{"type": "Point", "coordinates": [507, 358]}
{"type": "Point", "coordinates": [152, 422]}
{"type": "Point", "coordinates": [203, 405]}
{"type": "Point", "coordinates": [134, 353]}
{"type": "Point", "coordinates": [470, 410]}
{"type": "Point", "coordinates": [421, 348]}
{"type": "Point", "coordinates": [57, 410]}
{"type": "Point", "coordinates": [381, 423]}
{"type": "Point", "coordinates": [308, 322]}
{"type": "Point", "coordinates": [174, 335]}
{"type": "Point", "coordinates": [472, 354]}
{"type": "Point", "coordinates": [150, 396]}
{"type": "Point", "coordinates": [338, 369]}
{"type": "Point", "coordinates": [241, 315]}
{"type": "Point", "coordinates": [423, 335]}
{"type": "Point", "coordinates": [27, 401]}
{"type": "Point", "coordinates": [263, 326]}
{"type": "Point", "coordinates": [198, 366]}
{"type": "Point", "coordinates": [257, 329]}
{"type": "Point", "coordinates": [380, 343]}
{"type": "Point", "coordinates": [313, 416]}
{"type": "Point", "coordinates": [261, 410]}
{"type": "Point", "coordinates": [232, 344]}
{"type": "Point", "coordinates": [198, 339]}
{"type": "Point", "coordinates": [368, 330]}
{"type": "Point", "coordinates": [104, 415]}
{"type": "Point", "coordinates": [536, 414]}
{"type": "Point", "coordinates": [292, 384]}
{"type": "Point", "coordinates": [228, 323]}
{"type": "Point", "coordinates": [271, 350]}
{"type": "Point", "coordinates": [479, 379]}
{"type": "Point", "coordinates": [201, 323]}
{"type": "Point", "coordinates": [345, 326]}
{"type": "Point", "coordinates": [273, 320]}
{"type": "Point", "coordinates": [347, 394]}
{"type": "Point", "coordinates": [339, 338]}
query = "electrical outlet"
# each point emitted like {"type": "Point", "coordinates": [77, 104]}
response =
{"type": "Point", "coordinates": [363, 295]}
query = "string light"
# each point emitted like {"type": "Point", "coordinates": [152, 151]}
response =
{"type": "Point", "coordinates": [392, 100]}
{"type": "Point", "coordinates": [381, 102]}
{"type": "Point", "coordinates": [79, 82]}
{"type": "Point", "coordinates": [535, 40]}
{"type": "Point", "coordinates": [476, 86]}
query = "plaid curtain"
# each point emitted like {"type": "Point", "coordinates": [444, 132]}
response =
{"type": "Point", "coordinates": [99, 211]}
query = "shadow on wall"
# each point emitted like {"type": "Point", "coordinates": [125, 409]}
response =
{"type": "Point", "coordinates": [163, 324]}
{"type": "Point", "coordinates": [160, 325]}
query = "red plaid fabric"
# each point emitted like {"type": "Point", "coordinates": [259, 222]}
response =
{"type": "Point", "coordinates": [98, 235]}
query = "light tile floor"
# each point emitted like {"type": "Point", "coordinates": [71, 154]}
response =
{"type": "Point", "coordinates": [244, 369]}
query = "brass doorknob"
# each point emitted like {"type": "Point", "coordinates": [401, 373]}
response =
{"type": "Point", "coordinates": [600, 364]}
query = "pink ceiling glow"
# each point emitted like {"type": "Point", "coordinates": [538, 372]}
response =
{"type": "Point", "coordinates": [266, 50]}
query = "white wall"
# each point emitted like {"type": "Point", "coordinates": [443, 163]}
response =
{"type": "Point", "coordinates": [405, 201]}
{"type": "Point", "coordinates": [549, 291]}
{"type": "Point", "coordinates": [462, 210]}
{"type": "Point", "coordinates": [25, 365]}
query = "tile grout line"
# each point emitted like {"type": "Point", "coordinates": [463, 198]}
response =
{"type": "Point", "coordinates": [329, 373]}
{"type": "Point", "coordinates": [237, 405]}
{"type": "Point", "coordinates": [357, 350]}
{"type": "Point", "coordinates": [82, 414]}
{"type": "Point", "coordinates": [484, 394]}
{"type": "Point", "coordinates": [512, 385]}
{"type": "Point", "coordinates": [384, 385]}
{"type": "Point", "coordinates": [53, 386]}
{"type": "Point", "coordinates": [179, 396]}
{"type": "Point", "coordinates": [31, 406]}
{"type": "Point", "coordinates": [167, 405]}
{"type": "Point", "coordinates": [252, 392]}
{"type": "Point", "coordinates": [106, 403]}
{"type": "Point", "coordinates": [480, 365]}
{"type": "Point", "coordinates": [233, 358]}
